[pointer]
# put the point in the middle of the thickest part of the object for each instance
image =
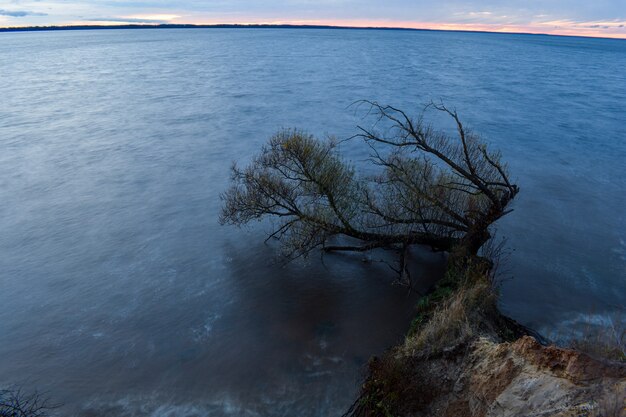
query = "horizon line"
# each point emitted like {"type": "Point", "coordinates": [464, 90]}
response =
{"type": "Point", "coordinates": [276, 26]}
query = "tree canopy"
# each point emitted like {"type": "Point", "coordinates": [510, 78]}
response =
{"type": "Point", "coordinates": [430, 188]}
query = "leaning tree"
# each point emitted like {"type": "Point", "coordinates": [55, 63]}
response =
{"type": "Point", "coordinates": [429, 188]}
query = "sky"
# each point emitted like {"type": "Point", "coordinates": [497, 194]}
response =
{"type": "Point", "coordinates": [605, 18]}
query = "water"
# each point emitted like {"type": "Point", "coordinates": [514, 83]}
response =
{"type": "Point", "coordinates": [120, 293]}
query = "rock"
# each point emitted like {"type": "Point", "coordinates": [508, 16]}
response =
{"type": "Point", "coordinates": [551, 381]}
{"type": "Point", "coordinates": [526, 379]}
{"type": "Point", "coordinates": [485, 377]}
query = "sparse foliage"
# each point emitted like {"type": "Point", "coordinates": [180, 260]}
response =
{"type": "Point", "coordinates": [17, 403]}
{"type": "Point", "coordinates": [430, 189]}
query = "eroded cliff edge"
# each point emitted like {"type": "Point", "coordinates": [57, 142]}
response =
{"type": "Point", "coordinates": [462, 358]}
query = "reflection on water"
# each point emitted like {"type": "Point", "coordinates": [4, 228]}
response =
{"type": "Point", "coordinates": [277, 342]}
{"type": "Point", "coordinates": [121, 294]}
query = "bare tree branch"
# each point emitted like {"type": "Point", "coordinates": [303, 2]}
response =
{"type": "Point", "coordinates": [431, 189]}
{"type": "Point", "coordinates": [14, 402]}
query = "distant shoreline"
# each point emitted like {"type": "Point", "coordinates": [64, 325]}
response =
{"type": "Point", "coordinates": [269, 26]}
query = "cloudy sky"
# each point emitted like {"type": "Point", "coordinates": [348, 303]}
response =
{"type": "Point", "coordinates": [569, 17]}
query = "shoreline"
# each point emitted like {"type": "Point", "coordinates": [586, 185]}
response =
{"type": "Point", "coordinates": [271, 26]}
{"type": "Point", "coordinates": [463, 358]}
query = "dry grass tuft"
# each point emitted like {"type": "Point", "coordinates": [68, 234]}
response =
{"type": "Point", "coordinates": [606, 341]}
{"type": "Point", "coordinates": [452, 321]}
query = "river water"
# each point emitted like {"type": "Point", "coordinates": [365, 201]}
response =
{"type": "Point", "coordinates": [120, 293]}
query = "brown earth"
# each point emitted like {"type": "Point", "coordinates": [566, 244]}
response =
{"type": "Point", "coordinates": [467, 360]}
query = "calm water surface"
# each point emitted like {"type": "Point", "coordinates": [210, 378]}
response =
{"type": "Point", "coordinates": [120, 293]}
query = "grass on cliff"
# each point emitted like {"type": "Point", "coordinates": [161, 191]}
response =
{"type": "Point", "coordinates": [603, 342]}
{"type": "Point", "coordinates": [450, 323]}
{"type": "Point", "coordinates": [449, 317]}
{"type": "Point", "coordinates": [452, 312]}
